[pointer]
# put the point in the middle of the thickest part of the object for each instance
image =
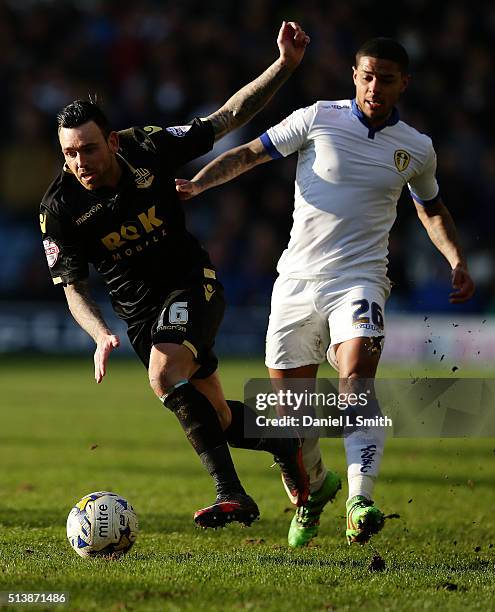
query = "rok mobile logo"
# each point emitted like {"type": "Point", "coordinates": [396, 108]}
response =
{"type": "Point", "coordinates": [147, 221]}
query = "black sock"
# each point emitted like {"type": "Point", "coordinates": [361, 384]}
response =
{"type": "Point", "coordinates": [200, 423]}
{"type": "Point", "coordinates": [241, 414]}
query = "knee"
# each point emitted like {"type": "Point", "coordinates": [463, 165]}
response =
{"type": "Point", "coordinates": [158, 382]}
{"type": "Point", "coordinates": [356, 380]}
{"type": "Point", "coordinates": [169, 364]}
{"type": "Point", "coordinates": [357, 358]}
{"type": "Point", "coordinates": [163, 377]}
{"type": "Point", "coordinates": [357, 371]}
{"type": "Point", "coordinates": [361, 367]}
{"type": "Point", "coordinates": [352, 373]}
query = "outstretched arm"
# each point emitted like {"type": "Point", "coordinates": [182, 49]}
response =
{"type": "Point", "coordinates": [249, 100]}
{"type": "Point", "coordinates": [223, 169]}
{"type": "Point", "coordinates": [87, 314]}
{"type": "Point", "coordinates": [442, 232]}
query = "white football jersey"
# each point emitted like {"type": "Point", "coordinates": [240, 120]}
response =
{"type": "Point", "coordinates": [348, 180]}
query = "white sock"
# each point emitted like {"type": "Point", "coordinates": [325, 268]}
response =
{"type": "Point", "coordinates": [360, 484]}
{"type": "Point", "coordinates": [313, 463]}
{"type": "Point", "coordinates": [364, 451]}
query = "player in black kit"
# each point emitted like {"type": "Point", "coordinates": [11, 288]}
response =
{"type": "Point", "coordinates": [114, 205]}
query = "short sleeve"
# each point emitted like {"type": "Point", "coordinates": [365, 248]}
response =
{"type": "Point", "coordinates": [423, 186]}
{"type": "Point", "coordinates": [64, 256]}
{"type": "Point", "coordinates": [289, 135]}
{"type": "Point", "coordinates": [179, 144]}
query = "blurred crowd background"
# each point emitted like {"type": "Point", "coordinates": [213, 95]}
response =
{"type": "Point", "coordinates": [163, 63]}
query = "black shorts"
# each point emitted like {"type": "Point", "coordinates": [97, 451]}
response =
{"type": "Point", "coordinates": [189, 316]}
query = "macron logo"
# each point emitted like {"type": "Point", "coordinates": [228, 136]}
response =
{"type": "Point", "coordinates": [87, 215]}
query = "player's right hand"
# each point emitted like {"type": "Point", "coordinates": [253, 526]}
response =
{"type": "Point", "coordinates": [292, 41]}
{"type": "Point", "coordinates": [186, 189]}
{"type": "Point", "coordinates": [463, 285]}
{"type": "Point", "coordinates": [104, 347]}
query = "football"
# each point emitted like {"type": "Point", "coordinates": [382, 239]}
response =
{"type": "Point", "coordinates": [102, 524]}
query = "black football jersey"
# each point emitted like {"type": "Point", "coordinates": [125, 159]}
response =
{"type": "Point", "coordinates": [135, 236]}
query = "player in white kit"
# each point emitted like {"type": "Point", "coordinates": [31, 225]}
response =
{"type": "Point", "coordinates": [354, 159]}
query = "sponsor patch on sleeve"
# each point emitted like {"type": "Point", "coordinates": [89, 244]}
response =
{"type": "Point", "coordinates": [178, 130]}
{"type": "Point", "coordinates": [51, 252]}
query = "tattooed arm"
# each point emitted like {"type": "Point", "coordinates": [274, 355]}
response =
{"type": "Point", "coordinates": [224, 168]}
{"type": "Point", "coordinates": [442, 232]}
{"type": "Point", "coordinates": [249, 100]}
{"type": "Point", "coordinates": [87, 314]}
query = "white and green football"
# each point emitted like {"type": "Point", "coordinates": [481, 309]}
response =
{"type": "Point", "coordinates": [102, 524]}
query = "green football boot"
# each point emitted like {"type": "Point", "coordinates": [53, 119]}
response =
{"type": "Point", "coordinates": [305, 523]}
{"type": "Point", "coordinates": [363, 520]}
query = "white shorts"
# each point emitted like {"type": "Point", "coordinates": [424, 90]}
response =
{"type": "Point", "coordinates": [309, 317]}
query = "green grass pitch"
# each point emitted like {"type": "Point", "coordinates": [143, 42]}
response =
{"type": "Point", "coordinates": [61, 436]}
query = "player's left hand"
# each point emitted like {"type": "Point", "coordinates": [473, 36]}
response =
{"type": "Point", "coordinates": [104, 346]}
{"type": "Point", "coordinates": [186, 189]}
{"type": "Point", "coordinates": [292, 42]}
{"type": "Point", "coordinates": [462, 284]}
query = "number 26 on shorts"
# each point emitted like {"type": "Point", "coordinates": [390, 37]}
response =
{"type": "Point", "coordinates": [361, 313]}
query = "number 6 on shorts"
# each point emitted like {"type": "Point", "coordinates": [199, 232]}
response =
{"type": "Point", "coordinates": [177, 314]}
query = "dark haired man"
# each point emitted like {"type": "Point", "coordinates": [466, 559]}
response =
{"type": "Point", "coordinates": [355, 157]}
{"type": "Point", "coordinates": [114, 205]}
